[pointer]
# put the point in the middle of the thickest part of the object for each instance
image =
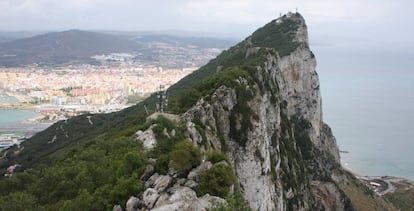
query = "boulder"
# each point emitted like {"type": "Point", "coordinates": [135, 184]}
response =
{"type": "Point", "coordinates": [184, 199]}
{"type": "Point", "coordinates": [209, 202]}
{"type": "Point", "coordinates": [162, 200]}
{"type": "Point", "coordinates": [117, 208]}
{"type": "Point", "coordinates": [152, 161]}
{"type": "Point", "coordinates": [196, 172]}
{"type": "Point", "coordinates": [183, 194]}
{"type": "Point", "coordinates": [147, 137]}
{"type": "Point", "coordinates": [132, 204]}
{"type": "Point", "coordinates": [191, 184]}
{"type": "Point", "coordinates": [150, 197]}
{"type": "Point", "coordinates": [150, 182]}
{"type": "Point", "coordinates": [162, 183]}
{"type": "Point", "coordinates": [149, 170]}
{"type": "Point", "coordinates": [180, 181]}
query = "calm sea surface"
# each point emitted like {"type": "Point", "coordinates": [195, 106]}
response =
{"type": "Point", "coordinates": [369, 105]}
{"type": "Point", "coordinates": [13, 116]}
{"type": "Point", "coordinates": [367, 100]}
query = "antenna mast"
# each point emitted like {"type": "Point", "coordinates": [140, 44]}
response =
{"type": "Point", "coordinates": [162, 99]}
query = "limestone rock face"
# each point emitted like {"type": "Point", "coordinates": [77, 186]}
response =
{"type": "Point", "coordinates": [196, 172]}
{"type": "Point", "coordinates": [131, 205]}
{"type": "Point", "coordinates": [185, 199]}
{"type": "Point", "coordinates": [268, 121]}
{"type": "Point", "coordinates": [287, 146]}
{"type": "Point", "coordinates": [162, 183]}
{"type": "Point", "coordinates": [150, 196]}
{"type": "Point", "coordinates": [117, 208]}
{"type": "Point", "coordinates": [147, 137]}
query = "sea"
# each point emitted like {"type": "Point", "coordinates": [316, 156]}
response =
{"type": "Point", "coordinates": [368, 101]}
{"type": "Point", "coordinates": [9, 117]}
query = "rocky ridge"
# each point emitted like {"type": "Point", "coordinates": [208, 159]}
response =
{"type": "Point", "coordinates": [269, 124]}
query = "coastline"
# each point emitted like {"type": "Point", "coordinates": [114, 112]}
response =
{"type": "Point", "coordinates": [385, 186]}
{"type": "Point", "coordinates": [20, 98]}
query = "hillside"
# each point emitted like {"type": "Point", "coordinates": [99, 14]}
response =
{"type": "Point", "coordinates": [62, 47]}
{"type": "Point", "coordinates": [77, 46]}
{"type": "Point", "coordinates": [245, 132]}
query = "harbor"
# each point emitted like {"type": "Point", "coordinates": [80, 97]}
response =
{"type": "Point", "coordinates": [8, 140]}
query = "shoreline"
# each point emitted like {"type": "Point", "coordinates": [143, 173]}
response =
{"type": "Point", "coordinates": [19, 97]}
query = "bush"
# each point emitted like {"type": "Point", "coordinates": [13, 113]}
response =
{"type": "Point", "coordinates": [216, 156]}
{"type": "Point", "coordinates": [161, 165]}
{"type": "Point", "coordinates": [184, 157]}
{"type": "Point", "coordinates": [234, 202]}
{"type": "Point", "coordinates": [18, 201]}
{"type": "Point", "coordinates": [217, 180]}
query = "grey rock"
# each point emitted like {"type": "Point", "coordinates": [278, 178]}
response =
{"type": "Point", "coordinates": [162, 200]}
{"type": "Point", "coordinates": [132, 204]}
{"type": "Point", "coordinates": [162, 183]}
{"type": "Point", "coordinates": [172, 133]}
{"type": "Point", "coordinates": [117, 208]}
{"type": "Point", "coordinates": [149, 170]}
{"type": "Point", "coordinates": [150, 182]}
{"type": "Point", "coordinates": [191, 184]}
{"type": "Point", "coordinates": [147, 137]}
{"type": "Point", "coordinates": [195, 136]}
{"type": "Point", "coordinates": [150, 197]}
{"type": "Point", "coordinates": [165, 132]}
{"type": "Point", "coordinates": [196, 172]}
{"type": "Point", "coordinates": [285, 87]}
{"type": "Point", "coordinates": [152, 161]}
{"type": "Point", "coordinates": [180, 181]}
{"type": "Point", "coordinates": [173, 173]}
{"type": "Point", "coordinates": [209, 202]}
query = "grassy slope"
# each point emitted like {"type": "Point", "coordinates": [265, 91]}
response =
{"type": "Point", "coordinates": [126, 122]}
{"type": "Point", "coordinates": [362, 198]}
{"type": "Point", "coordinates": [403, 196]}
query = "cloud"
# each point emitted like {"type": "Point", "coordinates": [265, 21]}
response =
{"type": "Point", "coordinates": [255, 11]}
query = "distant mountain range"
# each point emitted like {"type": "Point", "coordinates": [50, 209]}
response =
{"type": "Point", "coordinates": [76, 46]}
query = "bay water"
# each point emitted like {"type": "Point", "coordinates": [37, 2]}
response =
{"type": "Point", "coordinates": [368, 101]}
{"type": "Point", "coordinates": [16, 116]}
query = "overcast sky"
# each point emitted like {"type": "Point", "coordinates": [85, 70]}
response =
{"type": "Point", "coordinates": [235, 17]}
{"type": "Point", "coordinates": [383, 25]}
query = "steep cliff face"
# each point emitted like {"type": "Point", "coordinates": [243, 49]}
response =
{"type": "Point", "coordinates": [270, 126]}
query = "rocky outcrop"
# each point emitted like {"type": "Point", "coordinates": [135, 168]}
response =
{"type": "Point", "coordinates": [269, 123]}
{"type": "Point", "coordinates": [284, 146]}
{"type": "Point", "coordinates": [147, 137]}
{"type": "Point", "coordinates": [171, 192]}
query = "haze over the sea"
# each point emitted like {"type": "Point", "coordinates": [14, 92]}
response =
{"type": "Point", "coordinates": [368, 100]}
{"type": "Point", "coordinates": [364, 51]}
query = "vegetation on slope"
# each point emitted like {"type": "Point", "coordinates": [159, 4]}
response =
{"type": "Point", "coordinates": [82, 166]}
{"type": "Point", "coordinates": [279, 37]}
{"type": "Point", "coordinates": [403, 196]}
{"type": "Point", "coordinates": [362, 198]}
{"type": "Point", "coordinates": [92, 176]}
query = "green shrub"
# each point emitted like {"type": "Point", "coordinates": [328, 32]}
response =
{"type": "Point", "coordinates": [235, 202]}
{"type": "Point", "coordinates": [18, 201]}
{"type": "Point", "coordinates": [161, 165]}
{"type": "Point", "coordinates": [216, 156]}
{"type": "Point", "coordinates": [185, 156]}
{"type": "Point", "coordinates": [217, 180]}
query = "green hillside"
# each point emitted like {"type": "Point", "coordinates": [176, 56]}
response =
{"type": "Point", "coordinates": [75, 165]}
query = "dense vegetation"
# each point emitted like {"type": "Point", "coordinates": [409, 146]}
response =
{"type": "Point", "coordinates": [94, 176]}
{"type": "Point", "coordinates": [76, 165]}
{"type": "Point", "coordinates": [403, 196]}
{"type": "Point", "coordinates": [277, 35]}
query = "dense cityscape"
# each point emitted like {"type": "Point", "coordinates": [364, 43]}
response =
{"type": "Point", "coordinates": [85, 88]}
{"type": "Point", "coordinates": [118, 81]}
